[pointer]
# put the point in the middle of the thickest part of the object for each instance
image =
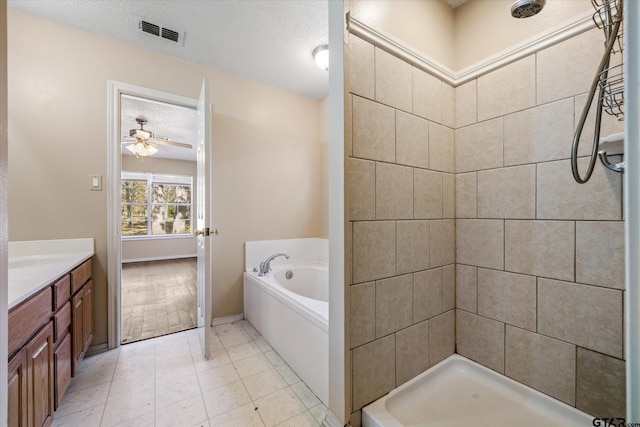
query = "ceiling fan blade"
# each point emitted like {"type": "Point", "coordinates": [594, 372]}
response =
{"type": "Point", "coordinates": [128, 139]}
{"type": "Point", "coordinates": [173, 143]}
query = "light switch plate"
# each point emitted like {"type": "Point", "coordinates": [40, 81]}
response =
{"type": "Point", "coordinates": [95, 183]}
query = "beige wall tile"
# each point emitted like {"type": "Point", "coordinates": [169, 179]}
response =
{"type": "Point", "coordinates": [600, 387]}
{"type": "Point", "coordinates": [560, 197]}
{"type": "Point", "coordinates": [466, 195]}
{"type": "Point", "coordinates": [507, 297]}
{"type": "Point", "coordinates": [480, 242]}
{"type": "Point", "coordinates": [427, 96]}
{"type": "Point", "coordinates": [373, 371]}
{"type": "Point", "coordinates": [442, 337]}
{"type": "Point", "coordinates": [374, 250]}
{"type": "Point", "coordinates": [441, 148]}
{"type": "Point", "coordinates": [600, 253]}
{"type": "Point", "coordinates": [448, 195]}
{"type": "Point", "coordinates": [539, 134]}
{"type": "Point", "coordinates": [540, 362]}
{"type": "Point", "coordinates": [394, 191]}
{"type": "Point", "coordinates": [393, 80]}
{"type": "Point", "coordinates": [356, 419]}
{"type": "Point", "coordinates": [412, 352]}
{"type": "Point", "coordinates": [374, 130]}
{"type": "Point", "coordinates": [466, 104]}
{"type": "Point", "coordinates": [479, 146]}
{"type": "Point", "coordinates": [362, 314]}
{"type": "Point", "coordinates": [412, 140]}
{"type": "Point", "coordinates": [480, 339]}
{"type": "Point", "coordinates": [585, 315]}
{"type": "Point", "coordinates": [394, 305]}
{"type": "Point", "coordinates": [610, 125]}
{"type": "Point", "coordinates": [507, 192]}
{"type": "Point", "coordinates": [361, 182]}
{"type": "Point", "coordinates": [348, 125]}
{"type": "Point", "coordinates": [567, 68]}
{"type": "Point", "coordinates": [448, 105]}
{"type": "Point", "coordinates": [448, 287]}
{"type": "Point", "coordinates": [442, 242]}
{"type": "Point", "coordinates": [412, 243]}
{"type": "Point", "coordinates": [361, 67]}
{"type": "Point", "coordinates": [427, 294]}
{"type": "Point", "coordinates": [540, 248]}
{"type": "Point", "coordinates": [427, 194]}
{"type": "Point", "coordinates": [508, 89]}
{"type": "Point", "coordinates": [467, 288]}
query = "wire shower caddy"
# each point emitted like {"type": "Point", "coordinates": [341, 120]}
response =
{"type": "Point", "coordinates": [608, 81]}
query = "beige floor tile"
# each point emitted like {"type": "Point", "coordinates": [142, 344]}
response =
{"type": "Point", "coordinates": [304, 419]}
{"type": "Point", "coordinates": [90, 417]}
{"type": "Point", "coordinates": [177, 390]}
{"type": "Point", "coordinates": [279, 406]}
{"type": "Point", "coordinates": [252, 365]}
{"type": "Point", "coordinates": [128, 407]}
{"type": "Point", "coordinates": [186, 413]}
{"type": "Point", "coordinates": [264, 383]}
{"type": "Point", "coordinates": [226, 398]}
{"type": "Point", "coordinates": [306, 396]}
{"type": "Point", "coordinates": [83, 399]}
{"type": "Point", "coordinates": [217, 377]}
{"type": "Point", "coordinates": [146, 420]}
{"type": "Point", "coordinates": [243, 351]}
{"type": "Point", "coordinates": [244, 416]}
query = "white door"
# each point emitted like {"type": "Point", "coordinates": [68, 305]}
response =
{"type": "Point", "coordinates": [203, 218]}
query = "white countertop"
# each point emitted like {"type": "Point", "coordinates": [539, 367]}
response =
{"type": "Point", "coordinates": [37, 263]}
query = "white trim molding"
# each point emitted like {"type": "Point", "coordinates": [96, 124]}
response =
{"type": "Point", "coordinates": [387, 42]}
{"type": "Point", "coordinates": [159, 258]}
{"type": "Point", "coordinates": [227, 319]}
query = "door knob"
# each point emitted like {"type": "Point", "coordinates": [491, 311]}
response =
{"type": "Point", "coordinates": [207, 232]}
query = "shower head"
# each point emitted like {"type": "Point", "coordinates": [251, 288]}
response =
{"type": "Point", "coordinates": [526, 8]}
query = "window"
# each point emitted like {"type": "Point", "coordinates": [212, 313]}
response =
{"type": "Point", "coordinates": [155, 205]}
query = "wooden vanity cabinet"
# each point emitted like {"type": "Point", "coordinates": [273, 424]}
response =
{"type": "Point", "coordinates": [49, 334]}
{"type": "Point", "coordinates": [81, 313]}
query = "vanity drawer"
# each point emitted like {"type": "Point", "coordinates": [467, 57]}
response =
{"type": "Point", "coordinates": [28, 317]}
{"type": "Point", "coordinates": [61, 322]}
{"type": "Point", "coordinates": [61, 292]}
{"type": "Point", "coordinates": [80, 275]}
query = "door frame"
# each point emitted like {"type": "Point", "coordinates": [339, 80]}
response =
{"type": "Point", "coordinates": [114, 170]}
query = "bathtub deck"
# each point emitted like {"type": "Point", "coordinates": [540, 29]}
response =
{"type": "Point", "coordinates": [462, 393]}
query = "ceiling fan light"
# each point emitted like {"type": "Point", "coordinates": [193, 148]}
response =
{"type": "Point", "coordinates": [140, 149]}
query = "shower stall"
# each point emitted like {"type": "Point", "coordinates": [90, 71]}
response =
{"type": "Point", "coordinates": [466, 229]}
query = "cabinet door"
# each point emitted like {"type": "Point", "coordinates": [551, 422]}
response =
{"type": "Point", "coordinates": [87, 327]}
{"type": "Point", "coordinates": [62, 369]}
{"type": "Point", "coordinates": [77, 332]}
{"type": "Point", "coordinates": [40, 377]}
{"type": "Point", "coordinates": [17, 390]}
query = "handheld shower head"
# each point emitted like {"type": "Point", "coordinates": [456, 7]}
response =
{"type": "Point", "coordinates": [527, 8]}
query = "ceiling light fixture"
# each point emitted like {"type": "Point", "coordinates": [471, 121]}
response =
{"type": "Point", "coordinates": [321, 56]}
{"type": "Point", "coordinates": [140, 149]}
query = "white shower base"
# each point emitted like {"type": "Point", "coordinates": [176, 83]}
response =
{"type": "Point", "coordinates": [460, 392]}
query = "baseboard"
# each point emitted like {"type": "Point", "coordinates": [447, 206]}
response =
{"type": "Point", "coordinates": [97, 349]}
{"type": "Point", "coordinates": [331, 420]}
{"type": "Point", "coordinates": [227, 319]}
{"type": "Point", "coordinates": [159, 258]}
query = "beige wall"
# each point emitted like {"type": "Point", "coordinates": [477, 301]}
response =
{"type": "Point", "coordinates": [400, 207]}
{"type": "Point", "coordinates": [160, 248]}
{"type": "Point", "coordinates": [265, 148]}
{"type": "Point", "coordinates": [484, 28]}
{"type": "Point", "coordinates": [324, 168]}
{"type": "Point", "coordinates": [427, 26]}
{"type": "Point", "coordinates": [540, 258]}
{"type": "Point", "coordinates": [4, 237]}
{"type": "Point", "coordinates": [471, 33]}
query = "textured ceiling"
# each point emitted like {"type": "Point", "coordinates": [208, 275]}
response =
{"type": "Point", "coordinates": [172, 121]}
{"type": "Point", "coordinates": [268, 41]}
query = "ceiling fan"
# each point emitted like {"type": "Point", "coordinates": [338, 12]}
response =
{"type": "Point", "coordinates": [143, 142]}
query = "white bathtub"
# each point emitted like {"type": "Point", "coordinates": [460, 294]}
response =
{"type": "Point", "coordinates": [293, 316]}
{"type": "Point", "coordinates": [460, 392]}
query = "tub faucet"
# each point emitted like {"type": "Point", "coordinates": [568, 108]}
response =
{"type": "Point", "coordinates": [265, 267]}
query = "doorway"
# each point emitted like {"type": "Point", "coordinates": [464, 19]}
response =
{"type": "Point", "coordinates": [155, 141]}
{"type": "Point", "coordinates": [158, 270]}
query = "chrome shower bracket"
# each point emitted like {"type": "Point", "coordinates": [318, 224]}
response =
{"type": "Point", "coordinates": [612, 145]}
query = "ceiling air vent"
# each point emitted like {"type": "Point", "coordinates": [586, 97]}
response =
{"type": "Point", "coordinates": [160, 31]}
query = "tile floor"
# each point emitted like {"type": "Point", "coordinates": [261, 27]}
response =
{"type": "Point", "coordinates": [158, 298]}
{"type": "Point", "coordinates": [166, 382]}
